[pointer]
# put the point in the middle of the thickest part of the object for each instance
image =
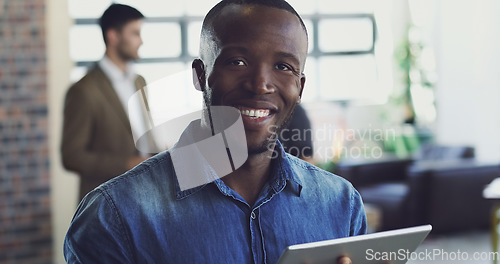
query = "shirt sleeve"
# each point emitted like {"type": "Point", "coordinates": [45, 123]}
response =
{"type": "Point", "coordinates": [358, 215]}
{"type": "Point", "coordinates": [96, 233]}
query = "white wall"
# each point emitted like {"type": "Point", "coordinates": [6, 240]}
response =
{"type": "Point", "coordinates": [63, 184]}
{"type": "Point", "coordinates": [468, 92]}
{"type": "Point", "coordinates": [465, 36]}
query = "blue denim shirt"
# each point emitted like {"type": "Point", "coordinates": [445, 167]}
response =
{"type": "Point", "coordinates": [143, 217]}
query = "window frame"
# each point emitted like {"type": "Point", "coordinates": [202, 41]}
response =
{"type": "Point", "coordinates": [316, 53]}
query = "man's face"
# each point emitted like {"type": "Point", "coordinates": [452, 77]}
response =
{"type": "Point", "coordinates": [259, 59]}
{"type": "Point", "coordinates": [129, 40]}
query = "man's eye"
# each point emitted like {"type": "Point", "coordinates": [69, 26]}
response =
{"type": "Point", "coordinates": [283, 67]}
{"type": "Point", "coordinates": [237, 63]}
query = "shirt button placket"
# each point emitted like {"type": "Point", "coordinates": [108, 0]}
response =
{"type": "Point", "coordinates": [256, 239]}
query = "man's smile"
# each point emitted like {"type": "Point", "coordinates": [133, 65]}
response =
{"type": "Point", "coordinates": [254, 113]}
{"type": "Point", "coordinates": [255, 118]}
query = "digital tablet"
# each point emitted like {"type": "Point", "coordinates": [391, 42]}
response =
{"type": "Point", "coordinates": [396, 246]}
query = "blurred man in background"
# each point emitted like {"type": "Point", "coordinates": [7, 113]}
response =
{"type": "Point", "coordinates": [97, 138]}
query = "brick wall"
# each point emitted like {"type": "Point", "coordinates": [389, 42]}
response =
{"type": "Point", "coordinates": [25, 226]}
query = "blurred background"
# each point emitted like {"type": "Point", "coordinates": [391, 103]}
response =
{"type": "Point", "coordinates": [389, 84]}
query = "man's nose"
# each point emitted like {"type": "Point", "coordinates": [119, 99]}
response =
{"type": "Point", "coordinates": [261, 81]}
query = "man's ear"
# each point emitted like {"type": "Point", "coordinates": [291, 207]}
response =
{"type": "Point", "coordinates": [199, 79]}
{"type": "Point", "coordinates": [302, 83]}
{"type": "Point", "coordinates": [112, 36]}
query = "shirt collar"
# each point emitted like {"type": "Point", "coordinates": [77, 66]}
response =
{"type": "Point", "coordinates": [188, 137]}
{"type": "Point", "coordinates": [282, 174]}
{"type": "Point", "coordinates": [115, 73]}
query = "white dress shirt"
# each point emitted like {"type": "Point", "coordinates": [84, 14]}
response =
{"type": "Point", "coordinates": [124, 85]}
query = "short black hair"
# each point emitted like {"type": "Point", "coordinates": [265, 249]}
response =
{"type": "Point", "coordinates": [207, 29]}
{"type": "Point", "coordinates": [116, 16]}
{"type": "Point", "coordinates": [280, 4]}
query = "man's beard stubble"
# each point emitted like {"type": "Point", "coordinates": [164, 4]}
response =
{"type": "Point", "coordinates": [123, 54]}
{"type": "Point", "coordinates": [269, 143]}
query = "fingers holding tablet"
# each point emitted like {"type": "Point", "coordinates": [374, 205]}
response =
{"type": "Point", "coordinates": [340, 260]}
{"type": "Point", "coordinates": [344, 260]}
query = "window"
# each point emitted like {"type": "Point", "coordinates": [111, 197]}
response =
{"type": "Point", "coordinates": [349, 58]}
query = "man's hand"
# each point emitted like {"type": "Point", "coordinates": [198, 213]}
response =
{"type": "Point", "coordinates": [347, 260]}
{"type": "Point", "coordinates": [340, 260]}
{"type": "Point", "coordinates": [133, 161]}
{"type": "Point", "coordinates": [344, 260]}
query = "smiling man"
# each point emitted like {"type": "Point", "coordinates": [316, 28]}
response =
{"type": "Point", "coordinates": [252, 58]}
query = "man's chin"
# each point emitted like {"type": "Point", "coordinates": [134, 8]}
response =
{"type": "Point", "coordinates": [130, 57]}
{"type": "Point", "coordinates": [257, 150]}
{"type": "Point", "coordinates": [134, 59]}
{"type": "Point", "coordinates": [263, 147]}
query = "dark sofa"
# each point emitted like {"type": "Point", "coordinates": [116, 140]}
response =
{"type": "Point", "coordinates": [446, 193]}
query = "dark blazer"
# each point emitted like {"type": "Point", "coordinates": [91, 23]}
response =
{"type": "Point", "coordinates": [97, 139]}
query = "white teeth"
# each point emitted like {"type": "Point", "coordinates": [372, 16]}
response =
{"type": "Point", "coordinates": [255, 113]}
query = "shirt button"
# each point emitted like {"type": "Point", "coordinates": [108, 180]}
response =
{"type": "Point", "coordinates": [252, 215]}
